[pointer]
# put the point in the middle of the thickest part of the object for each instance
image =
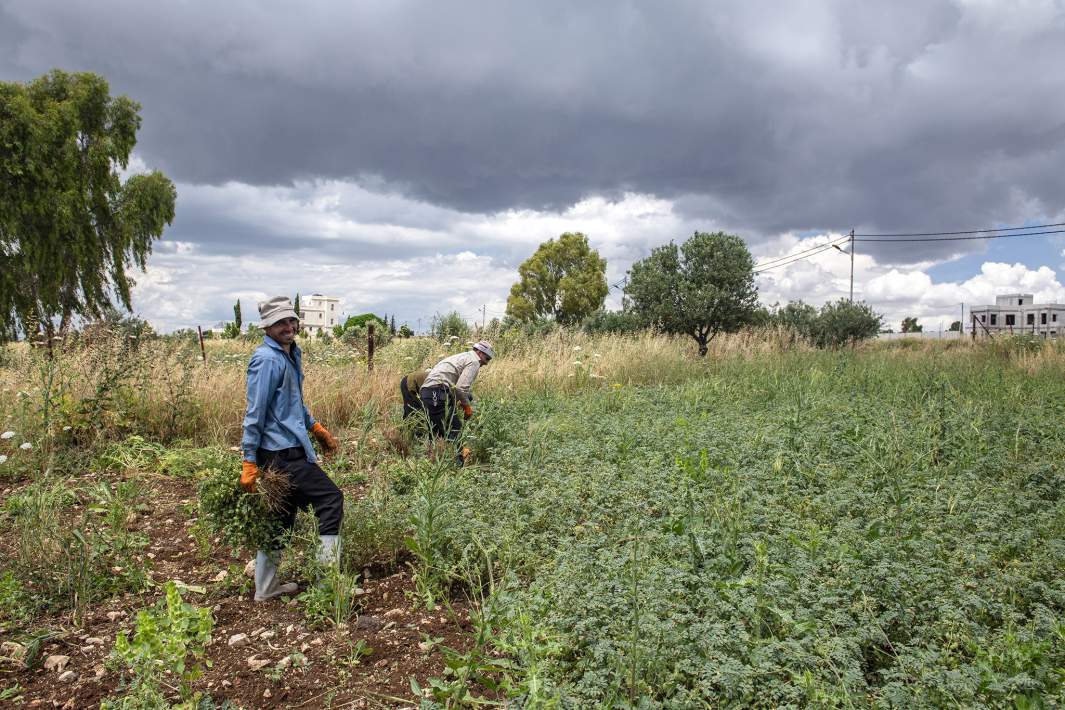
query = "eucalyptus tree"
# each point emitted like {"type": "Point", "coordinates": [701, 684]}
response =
{"type": "Point", "coordinates": [71, 228]}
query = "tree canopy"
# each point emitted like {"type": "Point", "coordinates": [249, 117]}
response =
{"type": "Point", "coordinates": [701, 288]}
{"type": "Point", "coordinates": [910, 325]}
{"type": "Point", "coordinates": [70, 228]}
{"type": "Point", "coordinates": [844, 322]}
{"type": "Point", "coordinates": [565, 279]}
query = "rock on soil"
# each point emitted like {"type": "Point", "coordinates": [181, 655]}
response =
{"type": "Point", "coordinates": [56, 663]}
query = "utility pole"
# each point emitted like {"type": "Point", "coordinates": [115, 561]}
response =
{"type": "Point", "coordinates": [484, 313]}
{"type": "Point", "coordinates": [852, 266]}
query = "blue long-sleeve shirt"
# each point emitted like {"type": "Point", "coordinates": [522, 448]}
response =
{"type": "Point", "coordinates": [276, 417]}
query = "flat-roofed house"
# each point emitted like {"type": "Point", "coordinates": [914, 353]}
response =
{"type": "Point", "coordinates": [1018, 313]}
{"type": "Point", "coordinates": [318, 313]}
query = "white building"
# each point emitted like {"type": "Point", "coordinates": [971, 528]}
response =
{"type": "Point", "coordinates": [319, 313]}
{"type": "Point", "coordinates": [1017, 313]}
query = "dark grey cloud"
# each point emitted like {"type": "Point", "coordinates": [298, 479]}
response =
{"type": "Point", "coordinates": [756, 116]}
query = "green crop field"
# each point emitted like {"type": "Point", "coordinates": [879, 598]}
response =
{"type": "Point", "coordinates": [773, 526]}
{"type": "Point", "coordinates": [827, 530]}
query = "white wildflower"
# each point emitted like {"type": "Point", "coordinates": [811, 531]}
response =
{"type": "Point", "coordinates": [3, 458]}
{"type": "Point", "coordinates": [577, 363]}
{"type": "Point", "coordinates": [576, 348]}
{"type": "Point", "coordinates": [66, 428]}
{"type": "Point", "coordinates": [596, 355]}
{"type": "Point", "coordinates": [25, 446]}
{"type": "Point", "coordinates": [7, 435]}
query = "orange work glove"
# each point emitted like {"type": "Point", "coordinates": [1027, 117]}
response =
{"type": "Point", "coordinates": [324, 437]}
{"type": "Point", "coordinates": [248, 475]}
{"type": "Point", "coordinates": [467, 410]}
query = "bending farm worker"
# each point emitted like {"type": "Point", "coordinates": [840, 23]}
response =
{"type": "Point", "coordinates": [447, 387]}
{"type": "Point", "coordinates": [277, 435]}
{"type": "Point", "coordinates": [409, 387]}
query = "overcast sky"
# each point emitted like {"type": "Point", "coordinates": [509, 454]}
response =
{"type": "Point", "coordinates": [407, 156]}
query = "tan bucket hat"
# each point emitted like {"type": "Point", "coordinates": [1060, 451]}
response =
{"type": "Point", "coordinates": [275, 309]}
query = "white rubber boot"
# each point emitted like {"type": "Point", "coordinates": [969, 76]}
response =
{"type": "Point", "coordinates": [267, 585]}
{"type": "Point", "coordinates": [329, 550]}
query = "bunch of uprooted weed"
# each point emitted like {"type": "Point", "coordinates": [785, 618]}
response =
{"type": "Point", "coordinates": [246, 520]}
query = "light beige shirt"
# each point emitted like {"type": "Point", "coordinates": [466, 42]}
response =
{"type": "Point", "coordinates": [457, 372]}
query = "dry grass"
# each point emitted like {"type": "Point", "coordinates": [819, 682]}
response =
{"type": "Point", "coordinates": [162, 390]}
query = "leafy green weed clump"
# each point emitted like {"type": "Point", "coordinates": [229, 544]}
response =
{"type": "Point", "coordinates": [243, 519]}
{"type": "Point", "coordinates": [169, 641]}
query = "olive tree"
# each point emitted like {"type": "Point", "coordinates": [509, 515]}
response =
{"type": "Point", "coordinates": [70, 227]}
{"type": "Point", "coordinates": [701, 288]}
{"type": "Point", "coordinates": [845, 323]}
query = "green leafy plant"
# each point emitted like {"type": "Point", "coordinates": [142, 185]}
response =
{"type": "Point", "coordinates": [169, 640]}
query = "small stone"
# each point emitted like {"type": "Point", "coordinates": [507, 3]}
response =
{"type": "Point", "coordinates": [258, 631]}
{"type": "Point", "coordinates": [67, 677]}
{"type": "Point", "coordinates": [238, 640]}
{"type": "Point", "coordinates": [366, 622]}
{"type": "Point", "coordinates": [289, 629]}
{"type": "Point", "coordinates": [99, 671]}
{"type": "Point", "coordinates": [285, 662]}
{"type": "Point", "coordinates": [94, 641]}
{"type": "Point", "coordinates": [221, 576]}
{"type": "Point", "coordinates": [56, 663]}
{"type": "Point", "coordinates": [257, 664]}
{"type": "Point", "coordinates": [13, 650]}
{"type": "Point", "coordinates": [227, 684]}
{"type": "Point", "coordinates": [305, 647]}
{"type": "Point", "coordinates": [115, 615]}
{"type": "Point", "coordinates": [267, 635]}
{"type": "Point", "coordinates": [316, 642]}
{"type": "Point", "coordinates": [267, 693]}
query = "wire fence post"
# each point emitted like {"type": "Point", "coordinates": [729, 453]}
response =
{"type": "Point", "coordinates": [369, 348]}
{"type": "Point", "coordinates": [203, 350]}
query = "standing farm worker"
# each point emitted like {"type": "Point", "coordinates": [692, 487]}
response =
{"type": "Point", "coordinates": [447, 387]}
{"type": "Point", "coordinates": [277, 431]}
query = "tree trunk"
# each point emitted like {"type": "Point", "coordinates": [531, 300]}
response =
{"type": "Point", "coordinates": [64, 323]}
{"type": "Point", "coordinates": [702, 340]}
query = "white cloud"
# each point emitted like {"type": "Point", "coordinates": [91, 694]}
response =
{"type": "Point", "coordinates": [382, 251]}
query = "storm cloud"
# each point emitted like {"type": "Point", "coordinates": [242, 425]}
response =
{"type": "Point", "coordinates": [431, 120]}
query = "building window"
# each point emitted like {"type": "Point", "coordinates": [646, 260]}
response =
{"type": "Point", "coordinates": [1031, 319]}
{"type": "Point", "coordinates": [982, 318]}
{"type": "Point", "coordinates": [994, 319]}
{"type": "Point", "coordinates": [1054, 317]}
{"type": "Point", "coordinates": [1020, 301]}
{"type": "Point", "coordinates": [1011, 319]}
{"type": "Point", "coordinates": [1042, 319]}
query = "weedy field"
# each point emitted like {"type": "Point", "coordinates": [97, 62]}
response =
{"type": "Point", "coordinates": [772, 526]}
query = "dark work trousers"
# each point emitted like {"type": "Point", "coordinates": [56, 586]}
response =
{"type": "Point", "coordinates": [310, 487]}
{"type": "Point", "coordinates": [412, 404]}
{"type": "Point", "coordinates": [440, 405]}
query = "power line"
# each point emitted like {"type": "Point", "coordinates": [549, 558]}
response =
{"type": "Point", "coordinates": [817, 248]}
{"type": "Point", "coordinates": [820, 249]}
{"type": "Point", "coordinates": [958, 239]}
{"type": "Point", "coordinates": [968, 231]}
